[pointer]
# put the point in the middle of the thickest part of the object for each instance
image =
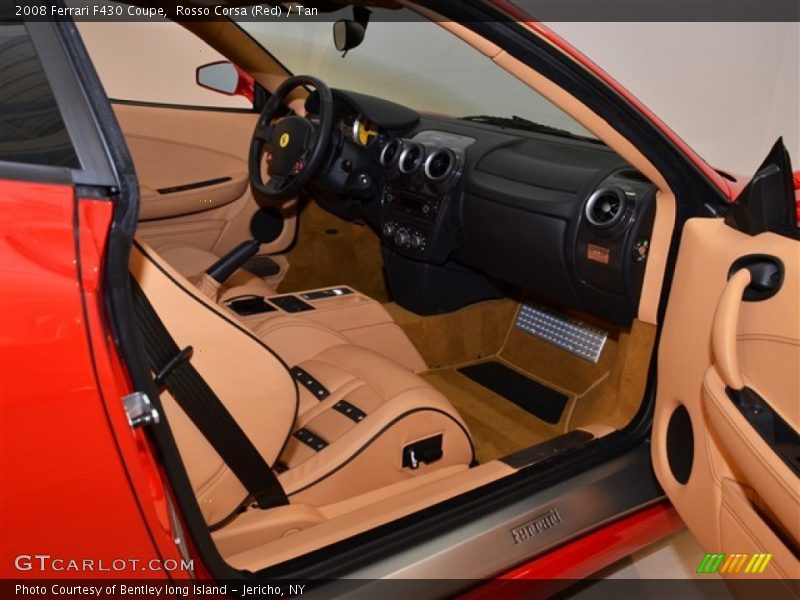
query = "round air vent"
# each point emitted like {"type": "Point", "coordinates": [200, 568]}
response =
{"type": "Point", "coordinates": [439, 164]}
{"type": "Point", "coordinates": [390, 152]}
{"type": "Point", "coordinates": [606, 207]}
{"type": "Point", "coordinates": [411, 158]}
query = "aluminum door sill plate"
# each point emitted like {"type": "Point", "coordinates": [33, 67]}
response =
{"type": "Point", "coordinates": [569, 334]}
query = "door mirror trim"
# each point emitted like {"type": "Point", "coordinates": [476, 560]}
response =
{"type": "Point", "coordinates": [243, 85]}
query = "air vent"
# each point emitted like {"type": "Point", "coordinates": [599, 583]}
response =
{"type": "Point", "coordinates": [439, 164]}
{"type": "Point", "coordinates": [390, 152]}
{"type": "Point", "coordinates": [606, 207]}
{"type": "Point", "coordinates": [411, 158]}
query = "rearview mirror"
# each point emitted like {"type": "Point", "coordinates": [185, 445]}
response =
{"type": "Point", "coordinates": [349, 33]}
{"type": "Point", "coordinates": [225, 78]}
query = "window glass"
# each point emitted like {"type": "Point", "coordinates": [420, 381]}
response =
{"type": "Point", "coordinates": [32, 130]}
{"type": "Point", "coordinates": [162, 70]}
{"type": "Point", "coordinates": [410, 61]}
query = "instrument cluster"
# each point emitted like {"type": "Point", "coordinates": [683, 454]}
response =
{"type": "Point", "coordinates": [359, 130]}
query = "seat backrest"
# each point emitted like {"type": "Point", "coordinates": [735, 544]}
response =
{"type": "Point", "coordinates": [252, 382]}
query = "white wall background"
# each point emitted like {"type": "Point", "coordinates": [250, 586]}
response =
{"type": "Point", "coordinates": [728, 89]}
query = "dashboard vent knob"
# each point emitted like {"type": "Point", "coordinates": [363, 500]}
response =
{"type": "Point", "coordinates": [606, 207]}
{"type": "Point", "coordinates": [390, 152]}
{"type": "Point", "coordinates": [411, 158]}
{"type": "Point", "coordinates": [439, 164]}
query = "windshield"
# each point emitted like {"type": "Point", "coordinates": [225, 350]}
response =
{"type": "Point", "coordinates": [415, 63]}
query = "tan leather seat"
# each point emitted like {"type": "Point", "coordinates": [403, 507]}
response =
{"type": "Point", "coordinates": [353, 447]}
{"type": "Point", "coordinates": [364, 392]}
{"type": "Point", "coordinates": [191, 262]}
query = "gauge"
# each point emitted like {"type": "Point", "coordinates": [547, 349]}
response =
{"type": "Point", "coordinates": [364, 132]}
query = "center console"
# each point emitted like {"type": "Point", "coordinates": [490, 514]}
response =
{"type": "Point", "coordinates": [418, 211]}
{"type": "Point", "coordinates": [358, 318]}
{"type": "Point", "coordinates": [422, 181]}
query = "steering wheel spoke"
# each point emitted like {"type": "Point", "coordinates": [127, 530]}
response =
{"type": "Point", "coordinates": [264, 132]}
{"type": "Point", "coordinates": [276, 184]}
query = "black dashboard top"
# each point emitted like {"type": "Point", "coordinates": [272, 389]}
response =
{"type": "Point", "coordinates": [383, 113]}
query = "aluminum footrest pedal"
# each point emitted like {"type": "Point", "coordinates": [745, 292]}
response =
{"type": "Point", "coordinates": [572, 335]}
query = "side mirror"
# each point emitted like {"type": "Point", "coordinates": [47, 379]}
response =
{"type": "Point", "coordinates": [347, 34]}
{"type": "Point", "coordinates": [226, 78]}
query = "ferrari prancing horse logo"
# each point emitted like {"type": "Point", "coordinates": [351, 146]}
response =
{"type": "Point", "coordinates": [284, 140]}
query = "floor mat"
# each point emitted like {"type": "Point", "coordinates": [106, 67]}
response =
{"type": "Point", "coordinates": [498, 427]}
{"type": "Point", "coordinates": [530, 395]}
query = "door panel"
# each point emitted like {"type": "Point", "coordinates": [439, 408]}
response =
{"type": "Point", "coordinates": [206, 150]}
{"type": "Point", "coordinates": [740, 495]}
{"type": "Point", "coordinates": [191, 196]}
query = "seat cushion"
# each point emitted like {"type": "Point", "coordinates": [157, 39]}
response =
{"type": "Point", "coordinates": [359, 412]}
{"type": "Point", "coordinates": [191, 262]}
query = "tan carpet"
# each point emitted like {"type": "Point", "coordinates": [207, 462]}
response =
{"type": "Point", "coordinates": [604, 394]}
{"type": "Point", "coordinates": [331, 251]}
{"type": "Point", "coordinates": [474, 332]}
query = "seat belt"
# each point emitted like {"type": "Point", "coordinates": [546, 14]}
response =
{"type": "Point", "coordinates": [175, 372]}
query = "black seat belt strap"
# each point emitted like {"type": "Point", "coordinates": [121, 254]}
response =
{"type": "Point", "coordinates": [175, 371]}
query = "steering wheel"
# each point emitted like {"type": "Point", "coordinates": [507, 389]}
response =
{"type": "Point", "coordinates": [294, 146]}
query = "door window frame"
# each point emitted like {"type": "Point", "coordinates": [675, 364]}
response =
{"type": "Point", "coordinates": [82, 128]}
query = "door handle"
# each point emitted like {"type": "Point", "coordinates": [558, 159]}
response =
{"type": "Point", "coordinates": [723, 331]}
{"type": "Point", "coordinates": [751, 278]}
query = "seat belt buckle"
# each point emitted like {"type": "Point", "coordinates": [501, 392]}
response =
{"type": "Point", "coordinates": [172, 364]}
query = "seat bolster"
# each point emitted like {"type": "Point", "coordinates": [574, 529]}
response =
{"type": "Point", "coordinates": [235, 365]}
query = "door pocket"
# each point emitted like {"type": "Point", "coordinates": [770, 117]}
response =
{"type": "Point", "coordinates": [743, 530]}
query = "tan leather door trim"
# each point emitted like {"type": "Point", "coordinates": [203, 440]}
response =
{"type": "Point", "coordinates": [740, 496]}
{"type": "Point", "coordinates": [157, 205]}
{"type": "Point", "coordinates": [174, 146]}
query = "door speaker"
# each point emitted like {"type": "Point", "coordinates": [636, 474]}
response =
{"type": "Point", "coordinates": [680, 444]}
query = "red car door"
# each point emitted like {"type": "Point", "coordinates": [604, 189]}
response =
{"type": "Point", "coordinates": [69, 503]}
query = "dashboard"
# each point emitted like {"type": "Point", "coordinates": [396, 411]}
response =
{"type": "Point", "coordinates": [470, 210]}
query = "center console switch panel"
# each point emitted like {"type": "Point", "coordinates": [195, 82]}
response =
{"type": "Point", "coordinates": [250, 305]}
{"type": "Point", "coordinates": [290, 304]}
{"type": "Point", "coordinates": [328, 293]}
